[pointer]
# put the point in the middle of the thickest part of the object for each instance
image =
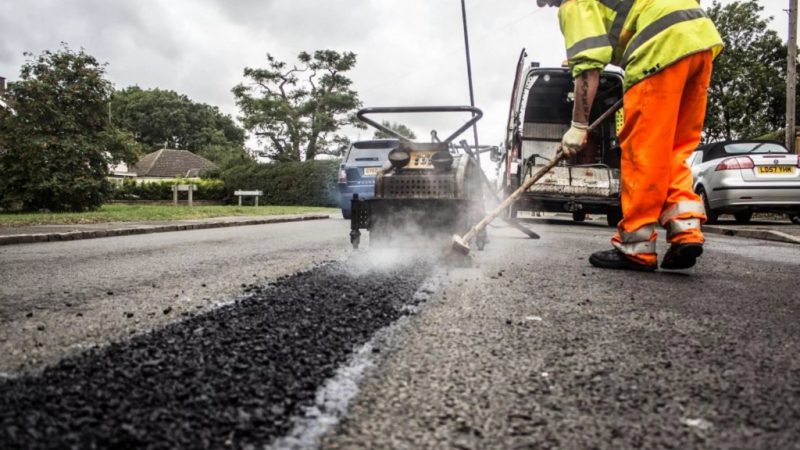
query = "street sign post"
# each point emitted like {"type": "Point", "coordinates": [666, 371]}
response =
{"type": "Point", "coordinates": [183, 188]}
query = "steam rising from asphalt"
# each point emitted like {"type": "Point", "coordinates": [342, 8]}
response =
{"type": "Point", "coordinates": [404, 243]}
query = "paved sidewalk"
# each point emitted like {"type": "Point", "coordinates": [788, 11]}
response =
{"type": "Point", "coordinates": [780, 231]}
{"type": "Point", "coordinates": [51, 233]}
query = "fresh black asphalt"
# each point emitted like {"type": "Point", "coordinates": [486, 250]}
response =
{"type": "Point", "coordinates": [231, 378]}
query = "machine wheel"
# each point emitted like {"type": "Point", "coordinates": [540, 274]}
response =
{"type": "Point", "coordinates": [579, 216]}
{"type": "Point", "coordinates": [355, 239]}
{"type": "Point", "coordinates": [480, 241]}
{"type": "Point", "coordinates": [613, 216]}
{"type": "Point", "coordinates": [743, 217]}
{"type": "Point", "coordinates": [711, 216]}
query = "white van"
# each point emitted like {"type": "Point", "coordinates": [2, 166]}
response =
{"type": "Point", "coordinates": [539, 115]}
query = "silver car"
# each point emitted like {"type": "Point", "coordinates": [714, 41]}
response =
{"type": "Point", "coordinates": [742, 177]}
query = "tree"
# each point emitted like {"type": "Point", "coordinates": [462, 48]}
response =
{"type": "Point", "coordinates": [298, 109]}
{"type": "Point", "coordinates": [747, 93]}
{"type": "Point", "coordinates": [161, 118]}
{"type": "Point", "coordinates": [398, 127]}
{"type": "Point", "coordinates": [55, 153]}
{"type": "Point", "coordinates": [226, 156]}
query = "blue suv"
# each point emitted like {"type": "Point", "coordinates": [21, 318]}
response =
{"type": "Point", "coordinates": [361, 164]}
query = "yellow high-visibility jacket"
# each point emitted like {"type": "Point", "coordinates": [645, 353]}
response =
{"type": "Point", "coordinates": [641, 36]}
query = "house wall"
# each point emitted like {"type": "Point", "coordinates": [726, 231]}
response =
{"type": "Point", "coordinates": [118, 178]}
{"type": "Point", "coordinates": [143, 180]}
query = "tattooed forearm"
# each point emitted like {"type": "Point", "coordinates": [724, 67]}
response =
{"type": "Point", "coordinates": [585, 94]}
{"type": "Point", "coordinates": [585, 89]}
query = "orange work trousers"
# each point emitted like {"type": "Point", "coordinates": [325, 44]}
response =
{"type": "Point", "coordinates": [664, 116]}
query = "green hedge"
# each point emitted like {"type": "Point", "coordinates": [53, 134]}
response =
{"type": "Point", "coordinates": [309, 183]}
{"type": "Point", "coordinates": [162, 190]}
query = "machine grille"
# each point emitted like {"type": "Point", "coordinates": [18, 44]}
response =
{"type": "Point", "coordinates": [360, 213]}
{"type": "Point", "coordinates": [420, 186]}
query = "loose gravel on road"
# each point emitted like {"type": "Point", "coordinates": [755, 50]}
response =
{"type": "Point", "coordinates": [232, 377]}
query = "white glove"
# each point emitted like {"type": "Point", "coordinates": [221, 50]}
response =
{"type": "Point", "coordinates": [575, 138]}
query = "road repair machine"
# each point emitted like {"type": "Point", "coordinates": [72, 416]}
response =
{"type": "Point", "coordinates": [424, 190]}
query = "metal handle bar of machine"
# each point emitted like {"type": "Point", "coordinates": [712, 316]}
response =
{"type": "Point", "coordinates": [476, 116]}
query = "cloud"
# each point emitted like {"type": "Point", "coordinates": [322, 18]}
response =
{"type": "Point", "coordinates": [410, 52]}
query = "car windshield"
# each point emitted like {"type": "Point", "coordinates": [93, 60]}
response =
{"type": "Point", "coordinates": [370, 152]}
{"type": "Point", "coordinates": [754, 147]}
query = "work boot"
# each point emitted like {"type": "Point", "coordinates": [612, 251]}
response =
{"type": "Point", "coordinates": [615, 259]}
{"type": "Point", "coordinates": [681, 256]}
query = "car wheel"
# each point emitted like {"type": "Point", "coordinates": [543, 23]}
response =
{"type": "Point", "coordinates": [711, 216]}
{"type": "Point", "coordinates": [613, 217]}
{"type": "Point", "coordinates": [511, 212]}
{"type": "Point", "coordinates": [579, 216]}
{"type": "Point", "coordinates": [743, 217]}
{"type": "Point", "coordinates": [347, 213]}
{"type": "Point", "coordinates": [796, 219]}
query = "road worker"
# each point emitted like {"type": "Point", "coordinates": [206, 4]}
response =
{"type": "Point", "coordinates": [666, 48]}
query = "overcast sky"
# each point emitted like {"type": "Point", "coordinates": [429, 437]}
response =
{"type": "Point", "coordinates": [410, 52]}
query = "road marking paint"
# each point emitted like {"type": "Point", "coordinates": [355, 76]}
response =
{"type": "Point", "coordinates": [333, 398]}
{"type": "Point", "coordinates": [701, 424]}
{"type": "Point", "coordinates": [330, 405]}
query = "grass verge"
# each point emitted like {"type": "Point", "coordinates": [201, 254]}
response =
{"type": "Point", "coordinates": [137, 213]}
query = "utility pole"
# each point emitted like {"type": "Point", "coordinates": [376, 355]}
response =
{"type": "Point", "coordinates": [469, 74]}
{"type": "Point", "coordinates": [791, 78]}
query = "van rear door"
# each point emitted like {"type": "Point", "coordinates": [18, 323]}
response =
{"type": "Point", "coordinates": [512, 144]}
{"type": "Point", "coordinates": [547, 115]}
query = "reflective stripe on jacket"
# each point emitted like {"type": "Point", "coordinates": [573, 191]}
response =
{"type": "Point", "coordinates": [641, 36]}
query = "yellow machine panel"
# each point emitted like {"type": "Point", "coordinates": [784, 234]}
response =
{"type": "Point", "coordinates": [421, 160]}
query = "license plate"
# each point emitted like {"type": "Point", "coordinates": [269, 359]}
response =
{"type": "Point", "coordinates": [776, 170]}
{"type": "Point", "coordinates": [371, 171]}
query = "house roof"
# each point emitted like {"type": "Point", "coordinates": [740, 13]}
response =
{"type": "Point", "coordinates": [169, 163]}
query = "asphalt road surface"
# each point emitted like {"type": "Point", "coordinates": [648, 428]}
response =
{"type": "Point", "coordinates": [528, 347]}
{"type": "Point", "coordinates": [66, 296]}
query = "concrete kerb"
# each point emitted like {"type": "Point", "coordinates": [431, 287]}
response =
{"type": "Point", "coordinates": [75, 235]}
{"type": "Point", "coordinates": [768, 235]}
